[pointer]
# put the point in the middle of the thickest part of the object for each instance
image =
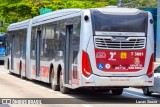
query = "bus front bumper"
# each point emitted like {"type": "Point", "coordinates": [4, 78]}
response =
{"type": "Point", "coordinates": [97, 81]}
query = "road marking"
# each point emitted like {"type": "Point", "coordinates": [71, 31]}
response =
{"type": "Point", "coordinates": [87, 105]}
{"type": "Point", "coordinates": [136, 95]}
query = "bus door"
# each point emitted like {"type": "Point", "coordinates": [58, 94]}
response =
{"type": "Point", "coordinates": [38, 44]}
{"type": "Point", "coordinates": [71, 57]}
{"type": "Point", "coordinates": [68, 55]}
{"type": "Point", "coordinates": [12, 53]}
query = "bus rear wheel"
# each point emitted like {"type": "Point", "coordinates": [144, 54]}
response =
{"type": "Point", "coordinates": [20, 70]}
{"type": "Point", "coordinates": [117, 91]}
{"type": "Point", "coordinates": [8, 65]}
{"type": "Point", "coordinates": [146, 91]}
{"type": "Point", "coordinates": [53, 85]}
{"type": "Point", "coordinates": [63, 89]}
{"type": "Point", "coordinates": [10, 72]}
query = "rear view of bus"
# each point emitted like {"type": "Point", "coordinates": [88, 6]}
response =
{"type": "Point", "coordinates": [119, 51]}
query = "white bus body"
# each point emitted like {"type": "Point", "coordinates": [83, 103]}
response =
{"type": "Point", "coordinates": [72, 48]}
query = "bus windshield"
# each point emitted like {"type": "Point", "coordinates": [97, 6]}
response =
{"type": "Point", "coordinates": [119, 23]}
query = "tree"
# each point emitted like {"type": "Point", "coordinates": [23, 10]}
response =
{"type": "Point", "coordinates": [18, 10]}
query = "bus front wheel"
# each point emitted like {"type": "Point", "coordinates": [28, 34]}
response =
{"type": "Point", "coordinates": [117, 91]}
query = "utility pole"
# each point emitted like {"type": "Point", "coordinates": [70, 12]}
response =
{"type": "Point", "coordinates": [120, 3]}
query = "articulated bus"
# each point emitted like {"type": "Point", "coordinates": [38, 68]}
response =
{"type": "Point", "coordinates": [100, 48]}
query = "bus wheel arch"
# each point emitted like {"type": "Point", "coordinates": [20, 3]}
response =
{"type": "Point", "coordinates": [54, 86]}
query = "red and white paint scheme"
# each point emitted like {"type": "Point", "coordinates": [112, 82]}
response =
{"type": "Point", "coordinates": [103, 48]}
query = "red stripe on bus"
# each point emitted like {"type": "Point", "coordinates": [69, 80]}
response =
{"type": "Point", "coordinates": [44, 71]}
{"type": "Point", "coordinates": [18, 66]}
{"type": "Point", "coordinates": [33, 69]}
{"type": "Point", "coordinates": [23, 67]}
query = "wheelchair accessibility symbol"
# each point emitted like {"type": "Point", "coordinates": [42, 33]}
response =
{"type": "Point", "coordinates": [100, 66]}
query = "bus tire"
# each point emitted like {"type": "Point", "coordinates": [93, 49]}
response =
{"type": "Point", "coordinates": [146, 91]}
{"type": "Point", "coordinates": [117, 91]}
{"type": "Point", "coordinates": [22, 77]}
{"type": "Point", "coordinates": [11, 73]}
{"type": "Point", "coordinates": [63, 89]}
{"type": "Point", "coordinates": [20, 70]}
{"type": "Point", "coordinates": [8, 65]}
{"type": "Point", "coordinates": [53, 85]}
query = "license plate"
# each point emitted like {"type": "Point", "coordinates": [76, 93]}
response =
{"type": "Point", "coordinates": [123, 55]}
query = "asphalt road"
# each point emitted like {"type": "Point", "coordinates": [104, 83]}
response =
{"type": "Point", "coordinates": [12, 86]}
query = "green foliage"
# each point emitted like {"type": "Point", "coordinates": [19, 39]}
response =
{"type": "Point", "coordinates": [4, 28]}
{"type": "Point", "coordinates": [18, 10]}
{"type": "Point", "coordinates": [141, 3]}
{"type": "Point", "coordinates": [112, 2]}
